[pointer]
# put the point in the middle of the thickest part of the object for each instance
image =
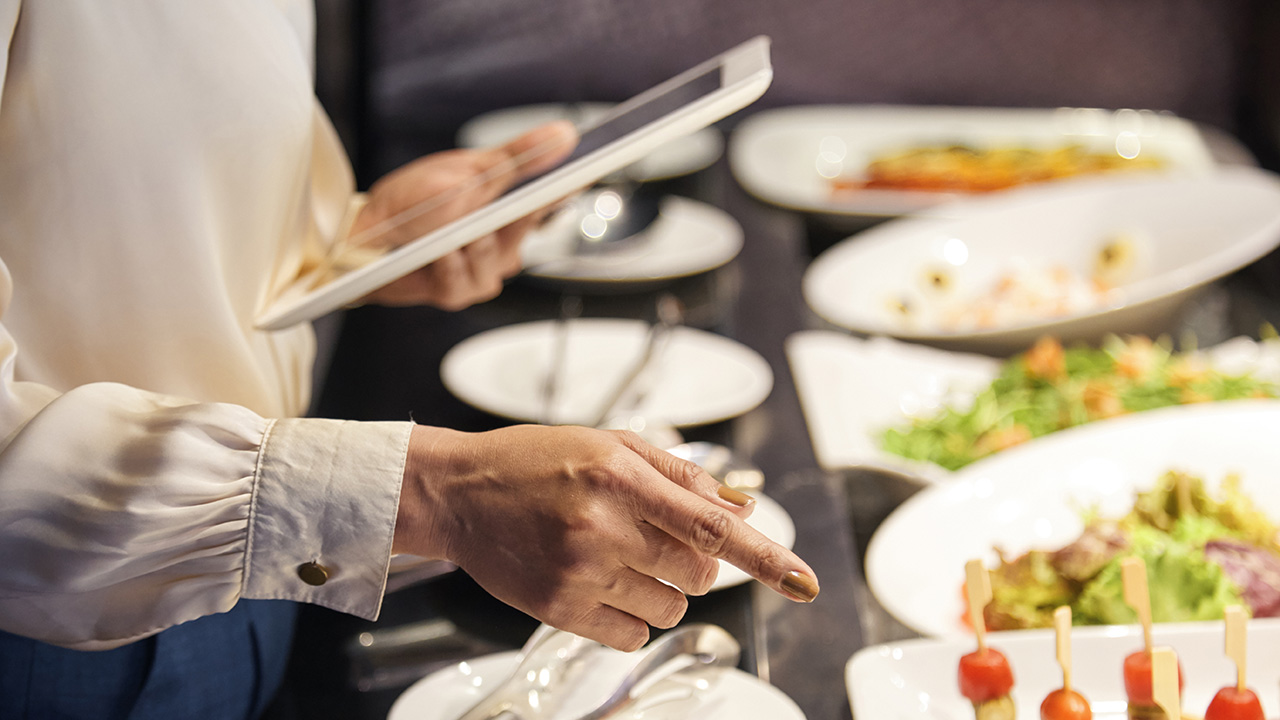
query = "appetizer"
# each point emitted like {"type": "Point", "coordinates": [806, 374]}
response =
{"type": "Point", "coordinates": [985, 676]}
{"type": "Point", "coordinates": [965, 168]}
{"type": "Point", "coordinates": [1050, 388]}
{"type": "Point", "coordinates": [1064, 703]}
{"type": "Point", "coordinates": [1235, 702]}
{"type": "Point", "coordinates": [1205, 553]}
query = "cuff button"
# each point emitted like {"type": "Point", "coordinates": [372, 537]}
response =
{"type": "Point", "coordinates": [313, 573]}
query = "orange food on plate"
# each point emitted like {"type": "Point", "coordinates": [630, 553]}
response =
{"type": "Point", "coordinates": [964, 168]}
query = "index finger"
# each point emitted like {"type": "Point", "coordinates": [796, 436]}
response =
{"type": "Point", "coordinates": [714, 531]}
{"type": "Point", "coordinates": [536, 151]}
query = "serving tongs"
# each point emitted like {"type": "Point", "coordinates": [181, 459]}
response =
{"type": "Point", "coordinates": [684, 649]}
{"type": "Point", "coordinates": [551, 660]}
{"type": "Point", "coordinates": [545, 671]}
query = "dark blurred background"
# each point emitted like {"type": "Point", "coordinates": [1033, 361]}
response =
{"type": "Point", "coordinates": [400, 76]}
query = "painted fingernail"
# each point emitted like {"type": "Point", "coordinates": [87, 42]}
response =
{"type": "Point", "coordinates": [800, 586]}
{"type": "Point", "coordinates": [736, 497]}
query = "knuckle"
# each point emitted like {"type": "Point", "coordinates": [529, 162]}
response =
{"type": "Point", "coordinates": [629, 636]}
{"type": "Point", "coordinates": [766, 561]}
{"type": "Point", "coordinates": [703, 576]}
{"type": "Point", "coordinates": [709, 532]}
{"type": "Point", "coordinates": [672, 611]}
{"type": "Point", "coordinates": [609, 468]}
{"type": "Point", "coordinates": [686, 472]}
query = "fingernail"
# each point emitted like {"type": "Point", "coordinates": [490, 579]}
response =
{"type": "Point", "coordinates": [736, 497]}
{"type": "Point", "coordinates": [800, 586]}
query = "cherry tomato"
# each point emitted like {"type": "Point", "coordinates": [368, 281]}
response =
{"type": "Point", "coordinates": [1064, 704]}
{"type": "Point", "coordinates": [1137, 678]}
{"type": "Point", "coordinates": [985, 675]}
{"type": "Point", "coordinates": [1233, 704]}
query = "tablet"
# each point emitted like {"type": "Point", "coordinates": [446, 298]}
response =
{"type": "Point", "coordinates": [682, 105]}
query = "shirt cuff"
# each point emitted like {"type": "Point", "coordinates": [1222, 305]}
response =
{"type": "Point", "coordinates": [325, 494]}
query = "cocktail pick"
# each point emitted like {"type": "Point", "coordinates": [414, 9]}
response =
{"type": "Point", "coordinates": [1062, 626]}
{"type": "Point", "coordinates": [1164, 682]}
{"type": "Point", "coordinates": [1235, 645]}
{"type": "Point", "coordinates": [1133, 574]}
{"type": "Point", "coordinates": [977, 587]}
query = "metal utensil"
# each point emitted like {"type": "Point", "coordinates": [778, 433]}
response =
{"type": "Point", "coordinates": [546, 666]}
{"type": "Point", "coordinates": [634, 387]}
{"type": "Point", "coordinates": [697, 645]}
{"type": "Point", "coordinates": [570, 309]}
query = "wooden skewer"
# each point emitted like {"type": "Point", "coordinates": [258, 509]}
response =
{"type": "Point", "coordinates": [1062, 625]}
{"type": "Point", "coordinates": [977, 587]}
{"type": "Point", "coordinates": [1164, 682]}
{"type": "Point", "coordinates": [1134, 577]}
{"type": "Point", "coordinates": [1235, 645]}
{"type": "Point", "coordinates": [1185, 505]}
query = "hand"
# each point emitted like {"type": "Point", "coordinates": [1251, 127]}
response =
{"type": "Point", "coordinates": [576, 526]}
{"type": "Point", "coordinates": [457, 182]}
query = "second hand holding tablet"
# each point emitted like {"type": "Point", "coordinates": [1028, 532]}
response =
{"type": "Point", "coordinates": [684, 104]}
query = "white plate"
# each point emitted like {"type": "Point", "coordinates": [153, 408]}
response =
{"type": "Point", "coordinates": [681, 156]}
{"type": "Point", "coordinates": [774, 523]}
{"type": "Point", "coordinates": [1031, 496]}
{"type": "Point", "coordinates": [1184, 232]}
{"type": "Point", "coordinates": [851, 390]}
{"type": "Point", "coordinates": [917, 678]}
{"type": "Point", "coordinates": [780, 155]}
{"type": "Point", "coordinates": [689, 237]}
{"type": "Point", "coordinates": [699, 378]}
{"type": "Point", "coordinates": [713, 694]}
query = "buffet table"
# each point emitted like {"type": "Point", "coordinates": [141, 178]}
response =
{"type": "Point", "coordinates": [384, 365]}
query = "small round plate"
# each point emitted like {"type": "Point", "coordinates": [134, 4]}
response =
{"type": "Point", "coordinates": [697, 379]}
{"type": "Point", "coordinates": [689, 237]}
{"type": "Point", "coordinates": [713, 694]}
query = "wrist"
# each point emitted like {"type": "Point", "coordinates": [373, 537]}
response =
{"type": "Point", "coordinates": [421, 522]}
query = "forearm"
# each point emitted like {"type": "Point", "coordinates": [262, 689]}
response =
{"type": "Point", "coordinates": [124, 512]}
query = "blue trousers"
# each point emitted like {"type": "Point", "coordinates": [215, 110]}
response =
{"type": "Point", "coordinates": [221, 666]}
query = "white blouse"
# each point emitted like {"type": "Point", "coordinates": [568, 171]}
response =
{"type": "Point", "coordinates": [162, 165]}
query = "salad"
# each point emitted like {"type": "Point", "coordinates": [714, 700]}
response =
{"type": "Point", "coordinates": [1202, 554]}
{"type": "Point", "coordinates": [1050, 388]}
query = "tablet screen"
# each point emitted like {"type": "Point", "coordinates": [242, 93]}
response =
{"type": "Point", "coordinates": [635, 114]}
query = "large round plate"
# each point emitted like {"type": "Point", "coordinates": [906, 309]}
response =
{"type": "Point", "coordinates": [713, 694]}
{"type": "Point", "coordinates": [688, 238]}
{"type": "Point", "coordinates": [1031, 497]}
{"type": "Point", "coordinates": [788, 156]}
{"type": "Point", "coordinates": [681, 156]}
{"type": "Point", "coordinates": [1179, 233]}
{"type": "Point", "coordinates": [698, 378]}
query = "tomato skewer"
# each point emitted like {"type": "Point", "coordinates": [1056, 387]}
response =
{"type": "Point", "coordinates": [985, 676]}
{"type": "Point", "coordinates": [1236, 702]}
{"type": "Point", "coordinates": [1064, 703]}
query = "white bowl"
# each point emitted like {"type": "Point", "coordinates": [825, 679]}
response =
{"type": "Point", "coordinates": [1181, 233]}
{"type": "Point", "coordinates": [1031, 497]}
